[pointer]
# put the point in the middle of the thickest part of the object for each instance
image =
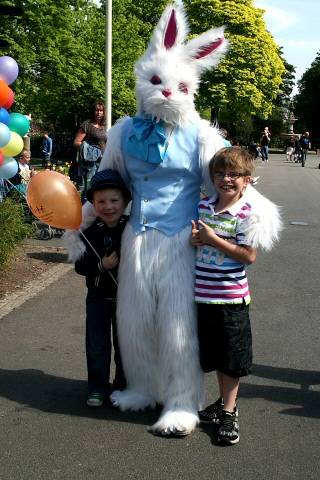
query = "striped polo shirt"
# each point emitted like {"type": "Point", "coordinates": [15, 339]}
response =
{"type": "Point", "coordinates": [220, 278]}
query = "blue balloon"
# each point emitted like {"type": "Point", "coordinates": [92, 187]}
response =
{"type": "Point", "coordinates": [4, 116]}
{"type": "Point", "coordinates": [5, 135]}
{"type": "Point", "coordinates": [9, 168]}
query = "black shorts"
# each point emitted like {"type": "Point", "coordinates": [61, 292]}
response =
{"type": "Point", "coordinates": [225, 338]}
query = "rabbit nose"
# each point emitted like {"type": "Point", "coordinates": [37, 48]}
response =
{"type": "Point", "coordinates": [166, 93]}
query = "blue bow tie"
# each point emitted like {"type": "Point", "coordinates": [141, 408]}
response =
{"type": "Point", "coordinates": [147, 142]}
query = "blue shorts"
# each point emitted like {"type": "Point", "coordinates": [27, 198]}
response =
{"type": "Point", "coordinates": [225, 338]}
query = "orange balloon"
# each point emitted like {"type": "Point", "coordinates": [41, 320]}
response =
{"type": "Point", "coordinates": [4, 92]}
{"type": "Point", "coordinates": [54, 200]}
{"type": "Point", "coordinates": [10, 100]}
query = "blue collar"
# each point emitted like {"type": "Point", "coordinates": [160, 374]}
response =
{"type": "Point", "coordinates": [147, 140]}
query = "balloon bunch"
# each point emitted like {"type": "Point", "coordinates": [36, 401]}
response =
{"type": "Point", "coordinates": [13, 126]}
{"type": "Point", "coordinates": [51, 196]}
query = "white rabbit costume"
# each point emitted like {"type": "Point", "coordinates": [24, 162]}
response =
{"type": "Point", "coordinates": [163, 154]}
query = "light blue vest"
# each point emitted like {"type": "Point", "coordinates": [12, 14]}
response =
{"type": "Point", "coordinates": [165, 196]}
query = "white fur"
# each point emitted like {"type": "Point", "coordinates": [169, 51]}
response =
{"type": "Point", "coordinates": [156, 310]}
{"type": "Point", "coordinates": [173, 66]}
{"type": "Point", "coordinates": [156, 326]}
{"type": "Point", "coordinates": [264, 225]}
{"type": "Point", "coordinates": [72, 238]}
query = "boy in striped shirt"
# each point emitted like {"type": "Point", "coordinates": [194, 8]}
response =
{"type": "Point", "coordinates": [221, 289]}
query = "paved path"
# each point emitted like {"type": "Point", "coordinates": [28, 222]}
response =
{"type": "Point", "coordinates": [46, 432]}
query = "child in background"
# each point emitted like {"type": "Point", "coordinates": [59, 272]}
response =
{"type": "Point", "coordinates": [110, 197]}
{"type": "Point", "coordinates": [221, 289]}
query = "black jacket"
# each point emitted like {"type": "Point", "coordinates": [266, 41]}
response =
{"type": "Point", "coordinates": [104, 240]}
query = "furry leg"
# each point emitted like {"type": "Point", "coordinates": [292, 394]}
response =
{"type": "Point", "coordinates": [136, 330]}
{"type": "Point", "coordinates": [179, 369]}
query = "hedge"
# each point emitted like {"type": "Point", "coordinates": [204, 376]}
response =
{"type": "Point", "coordinates": [13, 229]}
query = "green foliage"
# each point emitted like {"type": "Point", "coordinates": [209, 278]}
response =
{"type": "Point", "coordinates": [60, 48]}
{"type": "Point", "coordinates": [56, 44]}
{"type": "Point", "coordinates": [133, 22]}
{"type": "Point", "coordinates": [308, 100]}
{"type": "Point", "coordinates": [12, 229]}
{"type": "Point", "coordinates": [248, 80]}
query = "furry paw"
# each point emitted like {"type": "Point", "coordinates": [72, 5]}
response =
{"type": "Point", "coordinates": [131, 400]}
{"type": "Point", "coordinates": [173, 423]}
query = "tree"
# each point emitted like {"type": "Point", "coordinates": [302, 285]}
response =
{"type": "Point", "coordinates": [59, 46]}
{"type": "Point", "coordinates": [308, 100]}
{"type": "Point", "coordinates": [133, 22]}
{"type": "Point", "coordinates": [248, 80]}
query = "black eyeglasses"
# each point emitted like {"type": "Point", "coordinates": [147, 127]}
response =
{"type": "Point", "coordinates": [231, 175]}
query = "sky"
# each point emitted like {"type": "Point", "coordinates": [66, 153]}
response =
{"type": "Point", "coordinates": [295, 26]}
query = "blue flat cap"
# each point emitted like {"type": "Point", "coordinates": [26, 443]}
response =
{"type": "Point", "coordinates": [107, 179]}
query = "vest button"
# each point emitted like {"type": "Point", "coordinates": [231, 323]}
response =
{"type": "Point", "coordinates": [146, 200]}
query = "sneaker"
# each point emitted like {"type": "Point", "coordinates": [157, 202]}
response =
{"type": "Point", "coordinates": [212, 413]}
{"type": "Point", "coordinates": [229, 427]}
{"type": "Point", "coordinates": [95, 399]}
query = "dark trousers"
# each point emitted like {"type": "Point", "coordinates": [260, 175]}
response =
{"type": "Point", "coordinates": [304, 153]}
{"type": "Point", "coordinates": [264, 152]}
{"type": "Point", "coordinates": [100, 320]}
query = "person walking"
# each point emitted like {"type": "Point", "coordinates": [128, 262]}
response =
{"type": "Point", "coordinates": [264, 144]}
{"type": "Point", "coordinates": [290, 150]}
{"type": "Point", "coordinates": [46, 149]}
{"type": "Point", "coordinates": [304, 145]}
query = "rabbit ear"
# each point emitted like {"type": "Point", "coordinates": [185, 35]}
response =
{"type": "Point", "coordinates": [207, 49]}
{"type": "Point", "coordinates": [171, 29]}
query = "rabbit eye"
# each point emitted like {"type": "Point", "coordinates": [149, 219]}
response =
{"type": "Point", "coordinates": [155, 80]}
{"type": "Point", "coordinates": [183, 88]}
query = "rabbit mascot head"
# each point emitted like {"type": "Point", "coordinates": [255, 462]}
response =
{"type": "Point", "coordinates": [168, 74]}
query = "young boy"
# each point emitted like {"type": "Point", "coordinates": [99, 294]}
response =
{"type": "Point", "coordinates": [109, 196]}
{"type": "Point", "coordinates": [221, 289]}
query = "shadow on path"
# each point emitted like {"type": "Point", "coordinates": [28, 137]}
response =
{"type": "Point", "coordinates": [301, 394]}
{"type": "Point", "coordinates": [53, 257]}
{"type": "Point", "coordinates": [48, 393]}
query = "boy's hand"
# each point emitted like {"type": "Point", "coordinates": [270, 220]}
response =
{"type": "Point", "coordinates": [206, 234]}
{"type": "Point", "coordinates": [195, 240]}
{"type": "Point", "coordinates": [110, 262]}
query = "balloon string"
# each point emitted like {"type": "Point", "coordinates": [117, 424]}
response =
{"type": "Point", "coordinates": [95, 251]}
{"type": "Point", "coordinates": [14, 186]}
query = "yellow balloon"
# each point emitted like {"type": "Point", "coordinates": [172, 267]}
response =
{"type": "Point", "coordinates": [54, 200]}
{"type": "Point", "coordinates": [14, 146]}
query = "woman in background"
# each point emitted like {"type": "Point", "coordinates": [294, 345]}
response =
{"type": "Point", "coordinates": [93, 132]}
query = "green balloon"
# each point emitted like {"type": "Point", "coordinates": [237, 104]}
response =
{"type": "Point", "coordinates": [19, 123]}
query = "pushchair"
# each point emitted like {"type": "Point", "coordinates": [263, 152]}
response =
{"type": "Point", "coordinates": [45, 232]}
